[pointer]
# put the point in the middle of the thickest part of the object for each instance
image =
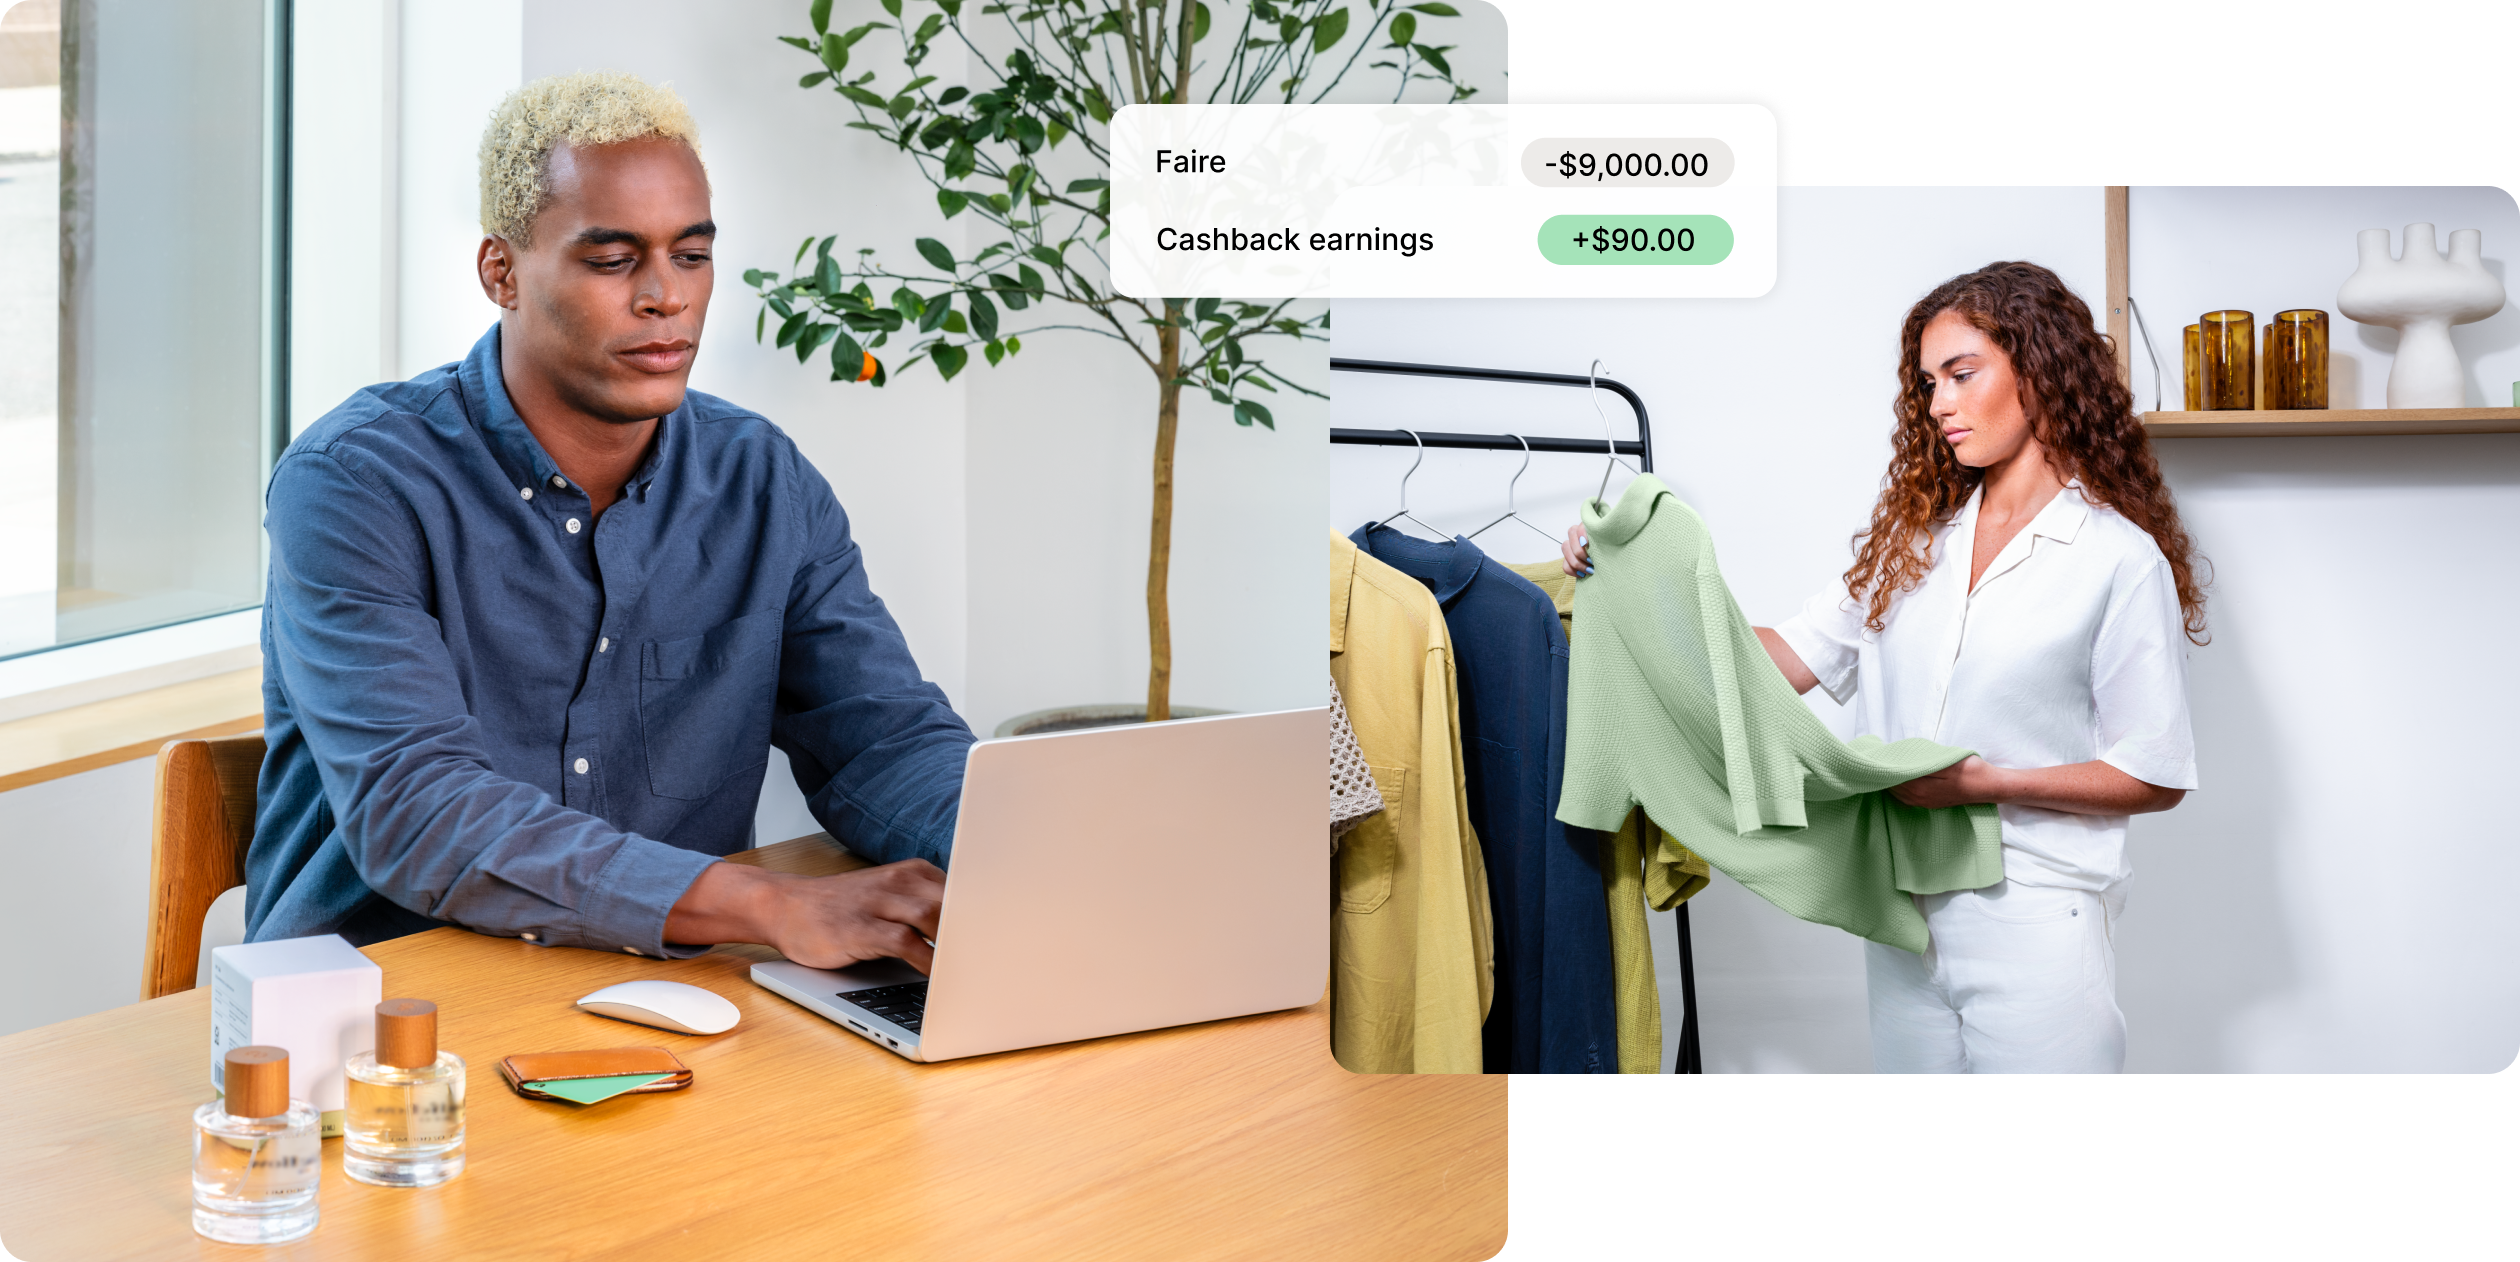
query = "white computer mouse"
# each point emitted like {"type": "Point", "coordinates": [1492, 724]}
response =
{"type": "Point", "coordinates": [665, 1005]}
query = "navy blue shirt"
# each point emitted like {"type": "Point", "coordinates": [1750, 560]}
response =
{"type": "Point", "coordinates": [1556, 1009]}
{"type": "Point", "coordinates": [487, 707]}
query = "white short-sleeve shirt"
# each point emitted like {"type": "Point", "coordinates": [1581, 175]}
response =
{"type": "Point", "coordinates": [2071, 649]}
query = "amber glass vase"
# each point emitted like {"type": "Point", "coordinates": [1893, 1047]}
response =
{"type": "Point", "coordinates": [2188, 353]}
{"type": "Point", "coordinates": [2297, 360]}
{"type": "Point", "coordinates": [2226, 361]}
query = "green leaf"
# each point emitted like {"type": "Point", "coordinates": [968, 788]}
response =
{"type": "Point", "coordinates": [1032, 279]}
{"type": "Point", "coordinates": [984, 318]}
{"type": "Point", "coordinates": [827, 276]}
{"type": "Point", "coordinates": [834, 53]}
{"type": "Point", "coordinates": [860, 95]}
{"type": "Point", "coordinates": [1014, 344]}
{"type": "Point", "coordinates": [1097, 105]}
{"type": "Point", "coordinates": [952, 8]}
{"type": "Point", "coordinates": [813, 79]}
{"type": "Point", "coordinates": [954, 322]}
{"type": "Point", "coordinates": [936, 254]}
{"type": "Point", "coordinates": [960, 159]}
{"type": "Point", "coordinates": [928, 29]}
{"type": "Point", "coordinates": [798, 41]}
{"type": "Point", "coordinates": [1046, 255]}
{"type": "Point", "coordinates": [950, 202]}
{"type": "Point", "coordinates": [952, 94]}
{"type": "Point", "coordinates": [1403, 29]}
{"type": "Point", "coordinates": [949, 359]}
{"type": "Point", "coordinates": [1435, 57]}
{"type": "Point", "coordinates": [1087, 186]}
{"type": "Point", "coordinates": [847, 358]}
{"type": "Point", "coordinates": [819, 13]}
{"type": "Point", "coordinates": [906, 306]}
{"type": "Point", "coordinates": [1326, 30]}
{"type": "Point", "coordinates": [794, 325]}
{"type": "Point", "coordinates": [1198, 23]}
{"type": "Point", "coordinates": [753, 276]}
{"type": "Point", "coordinates": [760, 320]}
{"type": "Point", "coordinates": [1437, 10]}
{"type": "Point", "coordinates": [938, 310]}
{"type": "Point", "coordinates": [1058, 132]}
{"type": "Point", "coordinates": [995, 350]}
{"type": "Point", "coordinates": [1207, 307]}
{"type": "Point", "coordinates": [814, 335]}
{"type": "Point", "coordinates": [893, 7]}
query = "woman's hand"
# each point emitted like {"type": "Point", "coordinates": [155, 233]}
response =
{"type": "Point", "coordinates": [2082, 788]}
{"type": "Point", "coordinates": [1575, 553]}
{"type": "Point", "coordinates": [1969, 780]}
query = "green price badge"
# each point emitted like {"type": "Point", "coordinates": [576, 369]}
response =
{"type": "Point", "coordinates": [1636, 240]}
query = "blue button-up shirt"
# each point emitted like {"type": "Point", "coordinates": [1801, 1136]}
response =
{"type": "Point", "coordinates": [485, 706]}
{"type": "Point", "coordinates": [1556, 1005]}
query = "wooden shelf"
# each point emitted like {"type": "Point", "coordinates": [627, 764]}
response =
{"type": "Point", "coordinates": [2280, 424]}
{"type": "Point", "coordinates": [102, 733]}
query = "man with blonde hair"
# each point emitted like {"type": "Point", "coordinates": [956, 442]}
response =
{"type": "Point", "coordinates": [536, 617]}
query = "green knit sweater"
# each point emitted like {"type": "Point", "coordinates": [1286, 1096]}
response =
{"type": "Point", "coordinates": [1673, 705]}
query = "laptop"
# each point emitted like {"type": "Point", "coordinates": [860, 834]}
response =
{"type": "Point", "coordinates": [1110, 880]}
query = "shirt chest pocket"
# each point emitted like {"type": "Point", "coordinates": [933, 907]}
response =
{"type": "Point", "coordinates": [1370, 853]}
{"type": "Point", "coordinates": [705, 704]}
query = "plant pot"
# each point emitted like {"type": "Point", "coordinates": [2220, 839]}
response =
{"type": "Point", "coordinates": [1070, 718]}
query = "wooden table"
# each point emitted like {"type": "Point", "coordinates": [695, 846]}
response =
{"type": "Point", "coordinates": [1233, 1139]}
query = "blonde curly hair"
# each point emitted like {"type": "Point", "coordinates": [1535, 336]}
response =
{"type": "Point", "coordinates": [602, 107]}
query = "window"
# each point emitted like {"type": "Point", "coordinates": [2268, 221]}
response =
{"type": "Point", "coordinates": [138, 277]}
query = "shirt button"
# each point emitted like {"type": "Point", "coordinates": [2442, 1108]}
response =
{"type": "Point", "coordinates": [573, 525]}
{"type": "Point", "coordinates": [581, 766]}
{"type": "Point", "coordinates": [559, 483]}
{"type": "Point", "coordinates": [529, 937]}
{"type": "Point", "coordinates": [526, 491]}
{"type": "Point", "coordinates": [603, 644]}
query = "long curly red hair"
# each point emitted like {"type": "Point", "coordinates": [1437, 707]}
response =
{"type": "Point", "coordinates": [2078, 410]}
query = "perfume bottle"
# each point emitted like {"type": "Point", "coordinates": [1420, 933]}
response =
{"type": "Point", "coordinates": [257, 1154]}
{"type": "Point", "coordinates": [405, 1103]}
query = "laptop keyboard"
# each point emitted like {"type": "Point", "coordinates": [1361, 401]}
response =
{"type": "Point", "coordinates": [902, 1005]}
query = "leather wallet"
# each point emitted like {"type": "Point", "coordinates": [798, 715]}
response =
{"type": "Point", "coordinates": [605, 1063]}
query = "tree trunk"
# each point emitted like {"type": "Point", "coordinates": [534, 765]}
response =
{"type": "Point", "coordinates": [1159, 541]}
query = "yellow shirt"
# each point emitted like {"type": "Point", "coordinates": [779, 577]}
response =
{"type": "Point", "coordinates": [1412, 957]}
{"type": "Point", "coordinates": [1666, 884]}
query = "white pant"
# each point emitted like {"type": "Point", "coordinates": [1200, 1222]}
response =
{"type": "Point", "coordinates": [2018, 979]}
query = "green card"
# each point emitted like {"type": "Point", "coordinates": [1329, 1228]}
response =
{"type": "Point", "coordinates": [592, 1090]}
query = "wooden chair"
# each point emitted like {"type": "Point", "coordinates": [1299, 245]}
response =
{"type": "Point", "coordinates": [201, 825]}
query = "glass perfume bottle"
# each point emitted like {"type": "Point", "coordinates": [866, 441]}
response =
{"type": "Point", "coordinates": [257, 1154]}
{"type": "Point", "coordinates": [405, 1103]}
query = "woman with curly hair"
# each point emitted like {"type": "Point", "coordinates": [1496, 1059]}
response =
{"type": "Point", "coordinates": [2024, 590]}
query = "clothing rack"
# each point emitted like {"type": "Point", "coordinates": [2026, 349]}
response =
{"type": "Point", "coordinates": [1686, 1060]}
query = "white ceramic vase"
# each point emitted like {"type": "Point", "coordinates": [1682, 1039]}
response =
{"type": "Point", "coordinates": [2421, 294]}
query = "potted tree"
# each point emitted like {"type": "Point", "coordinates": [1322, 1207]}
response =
{"type": "Point", "coordinates": [1055, 71]}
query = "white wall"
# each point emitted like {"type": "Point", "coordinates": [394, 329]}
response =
{"type": "Point", "coordinates": [77, 854]}
{"type": "Point", "coordinates": [2298, 912]}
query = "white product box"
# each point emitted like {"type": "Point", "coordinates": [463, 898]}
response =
{"type": "Point", "coordinates": [315, 996]}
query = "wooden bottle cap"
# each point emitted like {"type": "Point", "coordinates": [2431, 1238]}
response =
{"type": "Point", "coordinates": [406, 1033]}
{"type": "Point", "coordinates": [257, 1081]}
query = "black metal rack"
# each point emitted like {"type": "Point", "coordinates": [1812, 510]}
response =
{"type": "Point", "coordinates": [1686, 1060]}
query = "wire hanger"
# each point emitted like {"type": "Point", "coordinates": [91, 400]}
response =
{"type": "Point", "coordinates": [2149, 352]}
{"type": "Point", "coordinates": [1403, 514]}
{"type": "Point", "coordinates": [1592, 391]}
{"type": "Point", "coordinates": [1510, 509]}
